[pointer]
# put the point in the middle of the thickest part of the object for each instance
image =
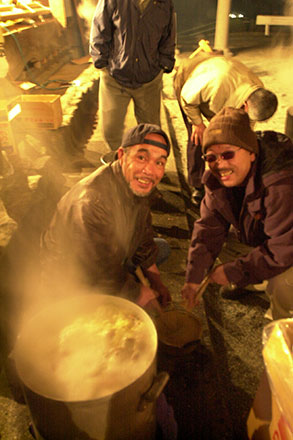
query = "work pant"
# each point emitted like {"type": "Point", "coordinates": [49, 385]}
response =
{"type": "Point", "coordinates": [164, 251]}
{"type": "Point", "coordinates": [279, 289]}
{"type": "Point", "coordinates": [114, 100]}
{"type": "Point", "coordinates": [195, 163]}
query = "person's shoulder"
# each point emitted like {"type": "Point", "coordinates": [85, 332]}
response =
{"type": "Point", "coordinates": [275, 151]}
{"type": "Point", "coordinates": [96, 182]}
{"type": "Point", "coordinates": [219, 60]}
{"type": "Point", "coordinates": [97, 193]}
{"type": "Point", "coordinates": [199, 59]}
{"type": "Point", "coordinates": [274, 142]}
{"type": "Point", "coordinates": [102, 177]}
{"type": "Point", "coordinates": [217, 67]}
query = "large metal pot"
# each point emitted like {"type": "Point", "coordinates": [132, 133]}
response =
{"type": "Point", "coordinates": [127, 413]}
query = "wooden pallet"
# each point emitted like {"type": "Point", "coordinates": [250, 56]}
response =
{"type": "Point", "coordinates": [23, 10]}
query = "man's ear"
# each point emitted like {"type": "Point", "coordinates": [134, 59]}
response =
{"type": "Point", "coordinates": [252, 157]}
{"type": "Point", "coordinates": [120, 152]}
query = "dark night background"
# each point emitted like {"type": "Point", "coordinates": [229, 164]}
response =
{"type": "Point", "coordinates": [251, 8]}
{"type": "Point", "coordinates": [197, 13]}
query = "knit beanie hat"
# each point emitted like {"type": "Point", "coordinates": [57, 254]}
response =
{"type": "Point", "coordinates": [137, 134]}
{"type": "Point", "coordinates": [230, 126]}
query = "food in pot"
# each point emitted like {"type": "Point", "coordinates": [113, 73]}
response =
{"type": "Point", "coordinates": [177, 328]}
{"type": "Point", "coordinates": [100, 353]}
{"type": "Point", "coordinates": [85, 348]}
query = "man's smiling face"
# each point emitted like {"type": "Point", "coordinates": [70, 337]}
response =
{"type": "Point", "coordinates": [143, 165]}
{"type": "Point", "coordinates": [230, 172]}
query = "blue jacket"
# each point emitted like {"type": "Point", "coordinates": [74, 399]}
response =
{"type": "Point", "coordinates": [133, 46]}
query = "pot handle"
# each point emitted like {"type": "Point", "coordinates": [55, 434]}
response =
{"type": "Point", "coordinates": [155, 390]}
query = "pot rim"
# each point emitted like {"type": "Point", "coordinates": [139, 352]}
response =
{"type": "Point", "coordinates": [44, 315]}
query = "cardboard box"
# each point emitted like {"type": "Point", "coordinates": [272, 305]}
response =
{"type": "Point", "coordinates": [38, 111]}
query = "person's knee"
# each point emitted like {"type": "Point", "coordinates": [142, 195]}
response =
{"type": "Point", "coordinates": [280, 290]}
{"type": "Point", "coordinates": [164, 250]}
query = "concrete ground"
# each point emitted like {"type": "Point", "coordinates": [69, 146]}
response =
{"type": "Point", "coordinates": [212, 387]}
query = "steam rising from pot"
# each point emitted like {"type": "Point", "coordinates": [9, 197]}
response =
{"type": "Point", "coordinates": [85, 348]}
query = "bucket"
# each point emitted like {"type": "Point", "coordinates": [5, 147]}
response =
{"type": "Point", "coordinates": [178, 330]}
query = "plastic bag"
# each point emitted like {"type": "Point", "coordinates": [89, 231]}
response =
{"type": "Point", "coordinates": [278, 359]}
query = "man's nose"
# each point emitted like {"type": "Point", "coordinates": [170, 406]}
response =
{"type": "Point", "coordinates": [219, 158]}
{"type": "Point", "coordinates": [149, 168]}
{"type": "Point", "coordinates": [216, 161]}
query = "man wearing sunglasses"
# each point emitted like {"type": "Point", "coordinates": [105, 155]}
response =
{"type": "Point", "coordinates": [248, 196]}
{"type": "Point", "coordinates": [203, 86]}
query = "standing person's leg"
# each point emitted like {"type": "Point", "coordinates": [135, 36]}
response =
{"type": "Point", "coordinates": [113, 102]}
{"type": "Point", "coordinates": [147, 101]}
{"type": "Point", "coordinates": [195, 163]}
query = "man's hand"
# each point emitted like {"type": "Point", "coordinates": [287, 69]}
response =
{"type": "Point", "coordinates": [188, 293]}
{"type": "Point", "coordinates": [189, 290]}
{"type": "Point", "coordinates": [148, 299]}
{"type": "Point", "coordinates": [153, 276]}
{"type": "Point", "coordinates": [164, 297]}
{"type": "Point", "coordinates": [218, 276]}
{"type": "Point", "coordinates": [197, 133]}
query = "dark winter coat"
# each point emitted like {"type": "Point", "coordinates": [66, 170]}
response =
{"type": "Point", "coordinates": [99, 227]}
{"type": "Point", "coordinates": [265, 221]}
{"type": "Point", "coordinates": [134, 46]}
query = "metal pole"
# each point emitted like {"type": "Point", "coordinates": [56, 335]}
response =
{"type": "Point", "coordinates": [222, 26]}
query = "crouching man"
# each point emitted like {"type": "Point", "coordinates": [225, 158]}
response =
{"type": "Point", "coordinates": [248, 194]}
{"type": "Point", "coordinates": [102, 228]}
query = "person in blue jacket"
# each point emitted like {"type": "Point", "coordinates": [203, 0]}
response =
{"type": "Point", "coordinates": [132, 43]}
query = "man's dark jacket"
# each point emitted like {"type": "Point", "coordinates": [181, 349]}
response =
{"type": "Point", "coordinates": [265, 221]}
{"type": "Point", "coordinates": [134, 46]}
{"type": "Point", "coordinates": [98, 228]}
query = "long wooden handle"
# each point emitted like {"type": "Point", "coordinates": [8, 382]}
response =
{"type": "Point", "coordinates": [140, 275]}
{"type": "Point", "coordinates": [202, 287]}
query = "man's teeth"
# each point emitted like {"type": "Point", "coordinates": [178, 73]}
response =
{"type": "Point", "coordinates": [145, 181]}
{"type": "Point", "coordinates": [225, 173]}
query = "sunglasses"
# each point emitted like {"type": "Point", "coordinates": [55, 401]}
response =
{"type": "Point", "coordinates": [213, 157]}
